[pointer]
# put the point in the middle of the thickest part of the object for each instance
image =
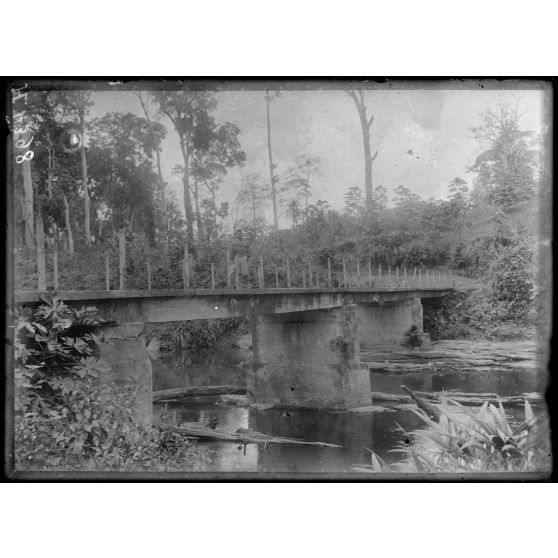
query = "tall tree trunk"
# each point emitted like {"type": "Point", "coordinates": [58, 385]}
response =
{"type": "Point", "coordinates": [187, 200]}
{"type": "Point", "coordinates": [84, 178]}
{"type": "Point", "coordinates": [254, 209]}
{"type": "Point", "coordinates": [28, 205]}
{"type": "Point", "coordinates": [49, 182]}
{"type": "Point", "coordinates": [214, 211]}
{"type": "Point", "coordinates": [49, 186]}
{"type": "Point", "coordinates": [131, 222]}
{"type": "Point", "coordinates": [271, 167]}
{"type": "Point", "coordinates": [365, 124]}
{"type": "Point", "coordinates": [162, 197]}
{"type": "Point", "coordinates": [68, 226]}
{"type": "Point", "coordinates": [198, 214]}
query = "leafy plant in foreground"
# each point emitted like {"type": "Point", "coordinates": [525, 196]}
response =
{"type": "Point", "coordinates": [66, 418]}
{"type": "Point", "coordinates": [472, 441]}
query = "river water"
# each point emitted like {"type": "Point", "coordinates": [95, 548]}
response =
{"type": "Point", "coordinates": [507, 369]}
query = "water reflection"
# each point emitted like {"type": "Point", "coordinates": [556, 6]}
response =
{"type": "Point", "coordinates": [184, 368]}
{"type": "Point", "coordinates": [356, 434]}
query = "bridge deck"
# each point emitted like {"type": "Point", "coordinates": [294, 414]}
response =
{"type": "Point", "coordinates": [202, 304]}
{"type": "Point", "coordinates": [35, 296]}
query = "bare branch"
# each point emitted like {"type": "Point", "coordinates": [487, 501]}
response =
{"type": "Point", "coordinates": [374, 157]}
{"type": "Point", "coordinates": [351, 93]}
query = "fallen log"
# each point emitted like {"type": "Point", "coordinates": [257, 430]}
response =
{"type": "Point", "coordinates": [381, 396]}
{"type": "Point", "coordinates": [177, 393]}
{"type": "Point", "coordinates": [242, 436]}
{"type": "Point", "coordinates": [234, 400]}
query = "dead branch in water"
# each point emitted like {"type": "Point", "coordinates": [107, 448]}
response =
{"type": "Point", "coordinates": [242, 436]}
{"type": "Point", "coordinates": [177, 393]}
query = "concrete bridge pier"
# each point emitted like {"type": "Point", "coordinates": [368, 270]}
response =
{"type": "Point", "coordinates": [389, 324]}
{"type": "Point", "coordinates": [308, 359]}
{"type": "Point", "coordinates": [126, 354]}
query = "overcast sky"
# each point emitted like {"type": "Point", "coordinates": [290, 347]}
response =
{"type": "Point", "coordinates": [434, 124]}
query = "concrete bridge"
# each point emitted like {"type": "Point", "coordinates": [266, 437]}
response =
{"type": "Point", "coordinates": [306, 342]}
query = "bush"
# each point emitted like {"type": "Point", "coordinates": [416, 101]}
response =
{"type": "Point", "coordinates": [66, 418]}
{"type": "Point", "coordinates": [94, 429]}
{"type": "Point", "coordinates": [468, 441]}
{"type": "Point", "coordinates": [202, 334]}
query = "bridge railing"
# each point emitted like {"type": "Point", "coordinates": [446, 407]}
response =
{"type": "Point", "coordinates": [115, 268]}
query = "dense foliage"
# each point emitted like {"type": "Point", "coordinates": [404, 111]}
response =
{"type": "Point", "coordinates": [66, 418]}
{"type": "Point", "coordinates": [465, 440]}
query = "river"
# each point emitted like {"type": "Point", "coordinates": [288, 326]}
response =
{"type": "Point", "coordinates": [507, 369]}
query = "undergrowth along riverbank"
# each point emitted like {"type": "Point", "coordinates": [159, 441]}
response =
{"type": "Point", "coordinates": [67, 418]}
{"type": "Point", "coordinates": [197, 335]}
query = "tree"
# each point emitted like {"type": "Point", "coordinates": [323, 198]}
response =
{"type": "Point", "coordinates": [189, 112]}
{"type": "Point", "coordinates": [506, 170]}
{"type": "Point", "coordinates": [354, 201]}
{"type": "Point", "coordinates": [210, 162]}
{"type": "Point", "coordinates": [269, 98]}
{"type": "Point", "coordinates": [459, 196]}
{"type": "Point", "coordinates": [144, 99]}
{"type": "Point", "coordinates": [121, 154]}
{"type": "Point", "coordinates": [365, 123]}
{"type": "Point", "coordinates": [297, 181]}
{"type": "Point", "coordinates": [380, 199]}
{"type": "Point", "coordinates": [404, 197]}
{"type": "Point", "coordinates": [58, 173]}
{"type": "Point", "coordinates": [252, 194]}
{"type": "Point", "coordinates": [79, 103]}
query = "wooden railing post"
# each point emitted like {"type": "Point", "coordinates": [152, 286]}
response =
{"type": "Point", "coordinates": [121, 257]}
{"type": "Point", "coordinates": [276, 278]}
{"type": "Point", "coordinates": [329, 272]}
{"type": "Point", "coordinates": [310, 273]}
{"type": "Point", "coordinates": [107, 271]}
{"type": "Point", "coordinates": [369, 274]}
{"type": "Point", "coordinates": [379, 274]}
{"type": "Point", "coordinates": [288, 274]}
{"type": "Point", "coordinates": [317, 278]}
{"type": "Point", "coordinates": [303, 279]}
{"type": "Point", "coordinates": [427, 278]}
{"type": "Point", "coordinates": [261, 273]}
{"type": "Point", "coordinates": [55, 264]}
{"type": "Point", "coordinates": [148, 275]}
{"type": "Point", "coordinates": [212, 275]}
{"type": "Point", "coordinates": [236, 276]}
{"type": "Point", "coordinates": [405, 274]}
{"type": "Point", "coordinates": [41, 266]}
{"type": "Point", "coordinates": [344, 274]}
{"type": "Point", "coordinates": [420, 277]}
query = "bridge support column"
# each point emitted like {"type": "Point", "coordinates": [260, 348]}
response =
{"type": "Point", "coordinates": [388, 325]}
{"type": "Point", "coordinates": [126, 354]}
{"type": "Point", "coordinates": [308, 359]}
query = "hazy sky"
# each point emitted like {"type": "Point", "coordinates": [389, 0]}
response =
{"type": "Point", "coordinates": [434, 124]}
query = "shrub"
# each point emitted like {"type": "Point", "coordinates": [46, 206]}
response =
{"type": "Point", "coordinates": [66, 418]}
{"type": "Point", "coordinates": [465, 441]}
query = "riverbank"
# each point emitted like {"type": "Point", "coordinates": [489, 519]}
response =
{"type": "Point", "coordinates": [477, 315]}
